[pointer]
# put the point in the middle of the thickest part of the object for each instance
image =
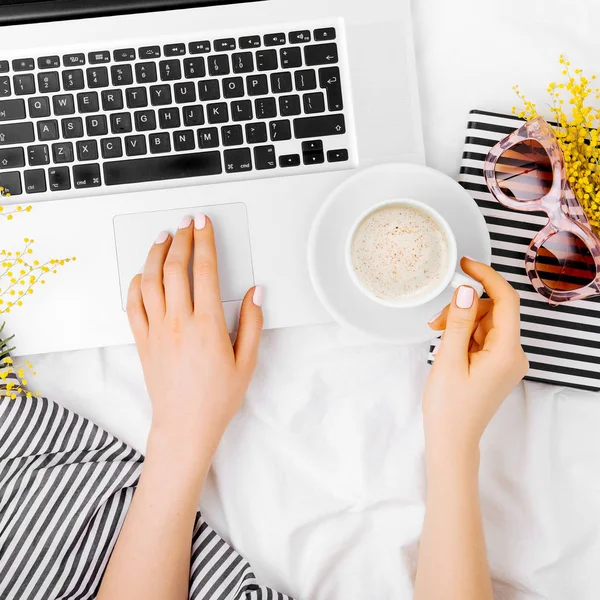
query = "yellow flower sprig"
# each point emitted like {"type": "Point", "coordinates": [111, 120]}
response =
{"type": "Point", "coordinates": [13, 378]}
{"type": "Point", "coordinates": [9, 212]}
{"type": "Point", "coordinates": [577, 135]}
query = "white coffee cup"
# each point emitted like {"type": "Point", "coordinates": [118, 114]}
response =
{"type": "Point", "coordinates": [450, 278]}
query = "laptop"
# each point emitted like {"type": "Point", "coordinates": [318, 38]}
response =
{"type": "Point", "coordinates": [118, 118]}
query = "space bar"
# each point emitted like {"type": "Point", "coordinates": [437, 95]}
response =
{"type": "Point", "coordinates": [160, 168]}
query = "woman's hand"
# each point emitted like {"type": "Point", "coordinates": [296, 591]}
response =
{"type": "Point", "coordinates": [194, 376]}
{"type": "Point", "coordinates": [479, 362]}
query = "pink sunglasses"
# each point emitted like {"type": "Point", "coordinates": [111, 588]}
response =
{"type": "Point", "coordinates": [525, 171]}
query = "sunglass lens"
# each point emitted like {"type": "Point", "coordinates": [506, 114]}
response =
{"type": "Point", "coordinates": [524, 171]}
{"type": "Point", "coordinates": [564, 263]}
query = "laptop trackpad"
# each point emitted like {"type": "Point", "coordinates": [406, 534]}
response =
{"type": "Point", "coordinates": [135, 234]}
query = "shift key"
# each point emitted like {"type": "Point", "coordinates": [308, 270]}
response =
{"type": "Point", "coordinates": [12, 110]}
{"type": "Point", "coordinates": [16, 133]}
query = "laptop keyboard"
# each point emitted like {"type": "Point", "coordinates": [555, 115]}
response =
{"type": "Point", "coordinates": [245, 106]}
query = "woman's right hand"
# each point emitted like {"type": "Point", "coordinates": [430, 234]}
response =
{"type": "Point", "coordinates": [478, 363]}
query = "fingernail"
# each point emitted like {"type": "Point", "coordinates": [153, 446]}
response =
{"type": "Point", "coordinates": [434, 317]}
{"type": "Point", "coordinates": [259, 295]}
{"type": "Point", "coordinates": [185, 222]}
{"type": "Point", "coordinates": [200, 221]}
{"type": "Point", "coordinates": [141, 270]}
{"type": "Point", "coordinates": [435, 350]}
{"type": "Point", "coordinates": [470, 258]}
{"type": "Point", "coordinates": [162, 237]}
{"type": "Point", "coordinates": [465, 296]}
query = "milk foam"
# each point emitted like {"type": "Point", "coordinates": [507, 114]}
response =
{"type": "Point", "coordinates": [399, 252]}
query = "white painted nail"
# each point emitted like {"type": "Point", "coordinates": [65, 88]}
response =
{"type": "Point", "coordinates": [470, 258]}
{"type": "Point", "coordinates": [162, 237]}
{"type": "Point", "coordinates": [185, 222]}
{"type": "Point", "coordinates": [435, 317]}
{"type": "Point", "coordinates": [200, 221]}
{"type": "Point", "coordinates": [259, 295]}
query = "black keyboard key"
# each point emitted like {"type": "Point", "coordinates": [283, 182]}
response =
{"type": "Point", "coordinates": [73, 60]}
{"type": "Point", "coordinates": [316, 127]}
{"type": "Point", "coordinates": [257, 85]}
{"type": "Point", "coordinates": [23, 64]}
{"type": "Point", "coordinates": [289, 106]}
{"type": "Point", "coordinates": [159, 143]}
{"type": "Point", "coordinates": [160, 95]}
{"type": "Point", "coordinates": [38, 155]}
{"type": "Point", "coordinates": [193, 115]}
{"type": "Point", "coordinates": [256, 133]}
{"type": "Point", "coordinates": [183, 140]}
{"type": "Point", "coordinates": [24, 84]}
{"type": "Point", "coordinates": [315, 157]}
{"type": "Point", "coordinates": [289, 160]}
{"type": "Point", "coordinates": [168, 118]}
{"type": "Point", "coordinates": [87, 150]}
{"type": "Point", "coordinates": [281, 83]}
{"type": "Point", "coordinates": [16, 133]}
{"type": "Point", "coordinates": [63, 105]}
{"type": "Point", "coordinates": [5, 87]}
{"type": "Point", "coordinates": [11, 182]}
{"type": "Point", "coordinates": [280, 130]}
{"type": "Point", "coordinates": [238, 160]}
{"type": "Point", "coordinates": [231, 135]}
{"type": "Point", "coordinates": [11, 158]}
{"type": "Point", "coordinates": [87, 102]}
{"type": "Point", "coordinates": [274, 39]}
{"type": "Point", "coordinates": [146, 72]}
{"type": "Point", "coordinates": [120, 123]}
{"type": "Point", "coordinates": [62, 152]}
{"type": "Point", "coordinates": [72, 127]}
{"type": "Point", "coordinates": [35, 181]}
{"type": "Point", "coordinates": [265, 108]}
{"type": "Point", "coordinates": [209, 90]}
{"type": "Point", "coordinates": [73, 80]}
{"type": "Point", "coordinates": [184, 92]}
{"type": "Point", "coordinates": [321, 54]}
{"type": "Point", "coordinates": [135, 145]}
{"type": "Point", "coordinates": [48, 82]}
{"type": "Point", "coordinates": [99, 57]}
{"type": "Point", "coordinates": [312, 146]}
{"type": "Point", "coordinates": [96, 125]}
{"type": "Point", "coordinates": [224, 45]}
{"type": "Point", "coordinates": [250, 41]}
{"type": "Point", "coordinates": [264, 158]}
{"type": "Point", "coordinates": [112, 100]}
{"type": "Point", "coordinates": [86, 176]}
{"type": "Point", "coordinates": [12, 110]}
{"type": "Point", "coordinates": [300, 37]}
{"type": "Point", "coordinates": [136, 97]}
{"type": "Point", "coordinates": [145, 120]}
{"type": "Point", "coordinates": [291, 58]}
{"type": "Point", "coordinates": [59, 179]}
{"type": "Point", "coordinates": [218, 65]}
{"type": "Point", "coordinates": [340, 155]}
{"type": "Point", "coordinates": [241, 110]}
{"type": "Point", "coordinates": [243, 62]}
{"type": "Point", "coordinates": [194, 67]}
{"type": "Point", "coordinates": [325, 34]}
{"type": "Point", "coordinates": [266, 60]}
{"type": "Point", "coordinates": [121, 75]}
{"type": "Point", "coordinates": [170, 70]}
{"type": "Point", "coordinates": [147, 52]}
{"type": "Point", "coordinates": [314, 103]}
{"type": "Point", "coordinates": [305, 80]}
{"type": "Point", "coordinates": [48, 62]}
{"type": "Point", "coordinates": [97, 77]}
{"type": "Point", "coordinates": [111, 147]}
{"type": "Point", "coordinates": [217, 113]}
{"type": "Point", "coordinates": [124, 55]}
{"type": "Point", "coordinates": [47, 130]}
{"type": "Point", "coordinates": [233, 87]}
{"type": "Point", "coordinates": [4, 66]}
{"type": "Point", "coordinates": [208, 138]}
{"type": "Point", "coordinates": [199, 47]}
{"type": "Point", "coordinates": [329, 79]}
{"type": "Point", "coordinates": [174, 49]}
{"type": "Point", "coordinates": [160, 168]}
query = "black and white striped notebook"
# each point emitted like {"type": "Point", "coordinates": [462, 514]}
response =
{"type": "Point", "coordinates": [562, 343]}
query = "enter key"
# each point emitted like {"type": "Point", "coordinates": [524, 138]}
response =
{"type": "Point", "coordinates": [329, 80]}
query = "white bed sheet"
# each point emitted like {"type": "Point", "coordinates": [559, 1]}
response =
{"type": "Point", "coordinates": [319, 481]}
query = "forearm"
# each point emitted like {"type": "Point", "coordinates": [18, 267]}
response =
{"type": "Point", "coordinates": [452, 556]}
{"type": "Point", "coordinates": [151, 559]}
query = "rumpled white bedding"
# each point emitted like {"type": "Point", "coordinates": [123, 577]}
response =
{"type": "Point", "coordinates": [319, 481]}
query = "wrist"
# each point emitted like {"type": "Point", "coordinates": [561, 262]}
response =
{"type": "Point", "coordinates": [454, 458]}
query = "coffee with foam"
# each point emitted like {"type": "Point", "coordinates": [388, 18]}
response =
{"type": "Point", "coordinates": [399, 252]}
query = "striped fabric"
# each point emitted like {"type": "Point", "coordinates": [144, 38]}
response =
{"type": "Point", "coordinates": [65, 487]}
{"type": "Point", "coordinates": [562, 343]}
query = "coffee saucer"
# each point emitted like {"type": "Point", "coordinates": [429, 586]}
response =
{"type": "Point", "coordinates": [327, 243]}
